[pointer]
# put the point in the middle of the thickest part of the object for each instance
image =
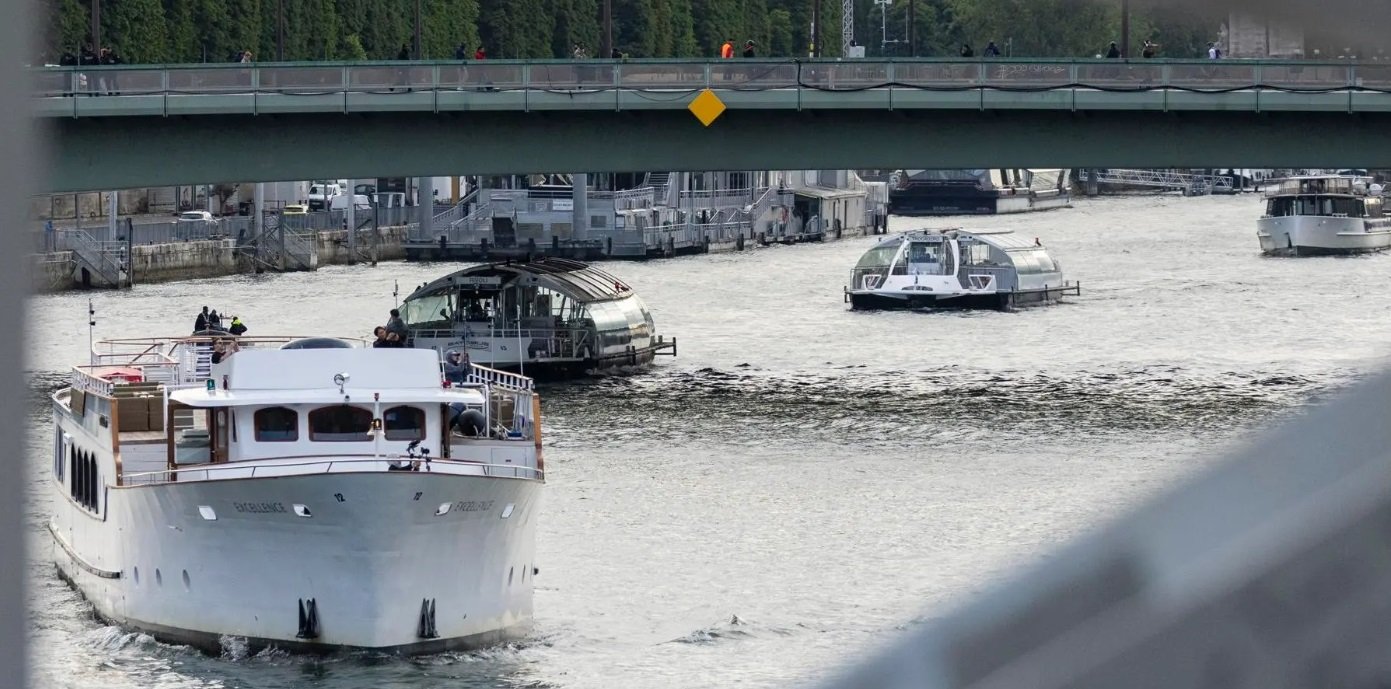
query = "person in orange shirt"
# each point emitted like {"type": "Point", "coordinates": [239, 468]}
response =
{"type": "Point", "coordinates": [727, 50]}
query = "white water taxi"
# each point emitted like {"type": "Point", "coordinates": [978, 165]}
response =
{"type": "Point", "coordinates": [304, 493]}
{"type": "Point", "coordinates": [954, 268]}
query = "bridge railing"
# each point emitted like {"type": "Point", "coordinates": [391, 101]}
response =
{"type": "Point", "coordinates": [329, 78]}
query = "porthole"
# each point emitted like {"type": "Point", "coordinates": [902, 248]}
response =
{"type": "Point", "coordinates": [159, 579]}
{"type": "Point", "coordinates": [186, 581]}
{"type": "Point", "coordinates": [507, 511]}
{"type": "Point", "coordinates": [443, 509]}
{"type": "Point", "coordinates": [302, 511]}
{"type": "Point", "coordinates": [207, 512]}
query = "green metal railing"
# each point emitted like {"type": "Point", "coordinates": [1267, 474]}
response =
{"type": "Point", "coordinates": [677, 76]}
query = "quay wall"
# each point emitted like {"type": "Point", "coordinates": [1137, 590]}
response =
{"type": "Point", "coordinates": [192, 260]}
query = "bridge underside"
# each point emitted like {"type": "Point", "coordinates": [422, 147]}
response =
{"type": "Point", "coordinates": [135, 151]}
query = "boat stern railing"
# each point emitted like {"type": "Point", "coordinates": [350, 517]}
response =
{"type": "Point", "coordinates": [324, 465]}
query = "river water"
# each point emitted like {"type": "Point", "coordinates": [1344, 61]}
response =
{"type": "Point", "coordinates": [803, 483]}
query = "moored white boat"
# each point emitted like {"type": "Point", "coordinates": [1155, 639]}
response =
{"type": "Point", "coordinates": [311, 497]}
{"type": "Point", "coordinates": [1324, 214]}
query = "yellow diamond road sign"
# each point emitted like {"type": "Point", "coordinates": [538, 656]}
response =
{"type": "Point", "coordinates": [707, 107]}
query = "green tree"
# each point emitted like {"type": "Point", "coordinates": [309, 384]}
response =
{"type": "Point", "coordinates": [449, 23]}
{"type": "Point", "coordinates": [136, 30]}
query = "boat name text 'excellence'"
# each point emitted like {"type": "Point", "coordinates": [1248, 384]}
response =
{"type": "Point", "coordinates": [259, 507]}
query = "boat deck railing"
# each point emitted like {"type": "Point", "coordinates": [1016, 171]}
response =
{"type": "Point", "coordinates": [501, 379]}
{"type": "Point", "coordinates": [338, 464]}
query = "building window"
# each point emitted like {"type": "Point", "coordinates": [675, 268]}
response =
{"type": "Point", "coordinates": [340, 423]}
{"type": "Point", "coordinates": [404, 423]}
{"type": "Point", "coordinates": [276, 425]}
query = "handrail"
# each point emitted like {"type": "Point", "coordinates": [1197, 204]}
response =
{"type": "Point", "coordinates": [833, 74]}
{"type": "Point", "coordinates": [144, 478]}
{"type": "Point", "coordinates": [502, 379]}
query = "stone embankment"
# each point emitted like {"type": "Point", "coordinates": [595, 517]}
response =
{"type": "Point", "coordinates": [60, 270]}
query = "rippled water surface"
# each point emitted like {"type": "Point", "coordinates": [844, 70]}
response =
{"type": "Point", "coordinates": [803, 483]}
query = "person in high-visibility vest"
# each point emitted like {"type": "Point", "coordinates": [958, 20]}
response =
{"type": "Point", "coordinates": [727, 50]}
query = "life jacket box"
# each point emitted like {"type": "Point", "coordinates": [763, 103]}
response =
{"type": "Point", "coordinates": [132, 414]}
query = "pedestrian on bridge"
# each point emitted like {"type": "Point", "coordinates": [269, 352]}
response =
{"type": "Point", "coordinates": [461, 53]}
{"type": "Point", "coordinates": [992, 50]}
{"type": "Point", "coordinates": [1149, 50]}
{"type": "Point", "coordinates": [748, 49]}
{"type": "Point", "coordinates": [480, 54]}
{"type": "Point", "coordinates": [727, 50]}
{"type": "Point", "coordinates": [1113, 52]}
{"type": "Point", "coordinates": [966, 50]}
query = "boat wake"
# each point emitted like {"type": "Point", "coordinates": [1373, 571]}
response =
{"type": "Point", "coordinates": [734, 629]}
{"type": "Point", "coordinates": [864, 406]}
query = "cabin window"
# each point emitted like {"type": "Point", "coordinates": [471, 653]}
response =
{"type": "Point", "coordinates": [404, 423]}
{"type": "Point", "coordinates": [340, 423]}
{"type": "Point", "coordinates": [276, 425]}
{"type": "Point", "coordinates": [878, 257]}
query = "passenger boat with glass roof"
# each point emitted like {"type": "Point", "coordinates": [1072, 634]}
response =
{"type": "Point", "coordinates": [954, 268]}
{"type": "Point", "coordinates": [1324, 214]}
{"type": "Point", "coordinates": [550, 316]}
{"type": "Point", "coordinates": [309, 494]}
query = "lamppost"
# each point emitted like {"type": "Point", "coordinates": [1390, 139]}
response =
{"type": "Point", "coordinates": [1125, 28]}
{"type": "Point", "coordinates": [884, 25]}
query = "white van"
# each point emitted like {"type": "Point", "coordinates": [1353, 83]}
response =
{"type": "Point", "coordinates": [319, 195]}
{"type": "Point", "coordinates": [340, 202]}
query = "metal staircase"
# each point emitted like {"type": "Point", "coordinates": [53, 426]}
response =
{"type": "Point", "coordinates": [105, 262]}
{"type": "Point", "coordinates": [280, 249]}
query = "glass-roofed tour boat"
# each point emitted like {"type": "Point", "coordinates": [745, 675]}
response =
{"type": "Point", "coordinates": [1324, 214]}
{"type": "Point", "coordinates": [954, 268]}
{"type": "Point", "coordinates": [304, 493]}
{"type": "Point", "coordinates": [546, 317]}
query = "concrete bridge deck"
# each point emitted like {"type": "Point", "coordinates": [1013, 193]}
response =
{"type": "Point", "coordinates": [120, 127]}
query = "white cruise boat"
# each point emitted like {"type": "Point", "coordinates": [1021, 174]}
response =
{"type": "Point", "coordinates": [309, 494]}
{"type": "Point", "coordinates": [954, 268]}
{"type": "Point", "coordinates": [1324, 214]}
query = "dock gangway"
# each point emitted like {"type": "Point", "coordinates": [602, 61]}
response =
{"type": "Point", "coordinates": [1190, 184]}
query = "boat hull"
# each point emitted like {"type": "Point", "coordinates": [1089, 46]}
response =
{"type": "Point", "coordinates": [1003, 301]}
{"type": "Point", "coordinates": [374, 555]}
{"type": "Point", "coordinates": [1302, 235]}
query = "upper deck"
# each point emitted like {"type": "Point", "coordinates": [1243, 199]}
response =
{"type": "Point", "coordinates": [203, 408]}
{"type": "Point", "coordinates": [1325, 185]}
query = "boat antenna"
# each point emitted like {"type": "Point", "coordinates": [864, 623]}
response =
{"type": "Point", "coordinates": [396, 292]}
{"type": "Point", "coordinates": [91, 327]}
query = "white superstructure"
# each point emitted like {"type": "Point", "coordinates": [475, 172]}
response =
{"type": "Point", "coordinates": [1325, 214]}
{"type": "Point", "coordinates": [953, 268]}
{"type": "Point", "coordinates": [318, 495]}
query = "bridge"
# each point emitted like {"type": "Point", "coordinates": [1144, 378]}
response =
{"type": "Point", "coordinates": [128, 126]}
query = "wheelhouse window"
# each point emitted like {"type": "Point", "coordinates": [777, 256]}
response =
{"type": "Point", "coordinates": [276, 425]}
{"type": "Point", "coordinates": [340, 423]}
{"type": "Point", "coordinates": [404, 423]}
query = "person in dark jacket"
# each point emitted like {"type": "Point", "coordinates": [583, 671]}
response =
{"type": "Point", "coordinates": [237, 327]}
{"type": "Point", "coordinates": [966, 50]}
{"type": "Point", "coordinates": [405, 53]}
{"type": "Point", "coordinates": [748, 49]}
{"type": "Point", "coordinates": [992, 50]}
{"type": "Point", "coordinates": [461, 53]}
{"type": "Point", "coordinates": [1113, 52]}
{"type": "Point", "coordinates": [397, 327]}
{"type": "Point", "coordinates": [201, 323]}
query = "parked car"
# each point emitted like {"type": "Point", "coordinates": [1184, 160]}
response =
{"type": "Point", "coordinates": [340, 203]}
{"type": "Point", "coordinates": [319, 195]}
{"type": "Point", "coordinates": [195, 225]}
{"type": "Point", "coordinates": [294, 209]}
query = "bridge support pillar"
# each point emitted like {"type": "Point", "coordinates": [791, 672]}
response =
{"type": "Point", "coordinates": [1093, 186]}
{"type": "Point", "coordinates": [113, 206]}
{"type": "Point", "coordinates": [350, 221]}
{"type": "Point", "coordinates": [579, 193]}
{"type": "Point", "coordinates": [425, 205]}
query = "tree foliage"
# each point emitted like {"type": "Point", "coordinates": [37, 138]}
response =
{"type": "Point", "coordinates": [215, 30]}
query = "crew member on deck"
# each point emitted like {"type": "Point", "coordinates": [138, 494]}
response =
{"type": "Point", "coordinates": [397, 327]}
{"type": "Point", "coordinates": [201, 323]}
